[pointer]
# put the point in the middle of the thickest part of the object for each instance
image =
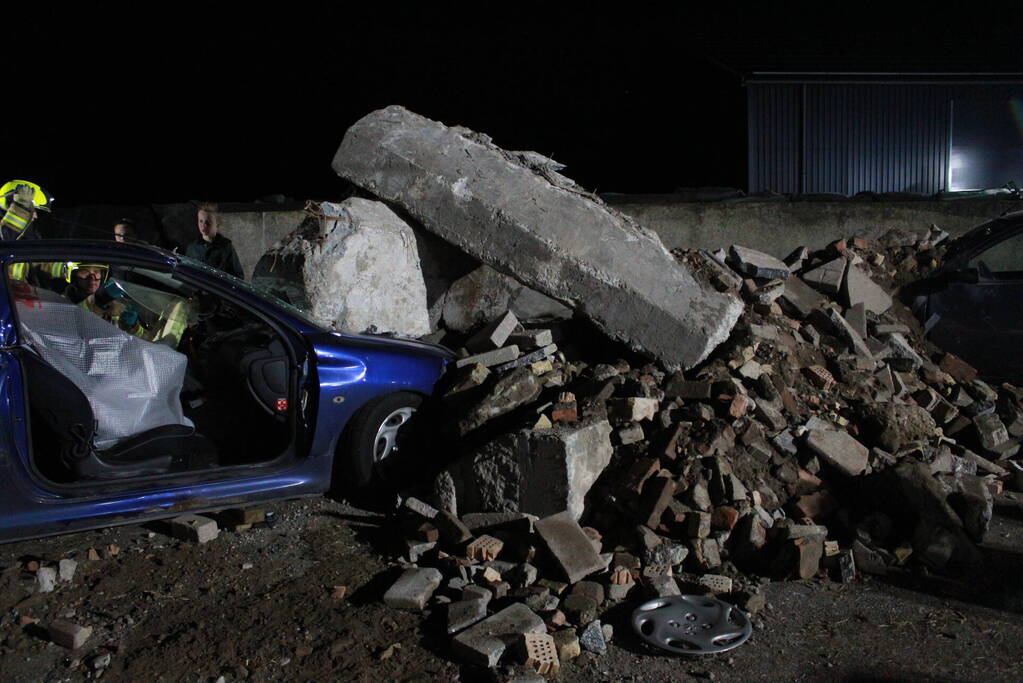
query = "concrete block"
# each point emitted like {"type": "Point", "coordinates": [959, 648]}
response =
{"type": "Point", "coordinates": [495, 357]}
{"type": "Point", "coordinates": [634, 408]}
{"type": "Point", "coordinates": [194, 528]}
{"type": "Point", "coordinates": [484, 643]}
{"type": "Point", "coordinates": [798, 299]}
{"type": "Point", "coordinates": [68, 635]}
{"type": "Point", "coordinates": [528, 359]}
{"type": "Point", "coordinates": [569, 546]}
{"type": "Point", "coordinates": [465, 613]}
{"type": "Point", "coordinates": [494, 334]}
{"type": "Point", "coordinates": [513, 390]}
{"type": "Point", "coordinates": [757, 264]}
{"type": "Point", "coordinates": [529, 340]}
{"type": "Point", "coordinates": [858, 288]}
{"type": "Point", "coordinates": [827, 277]}
{"type": "Point", "coordinates": [451, 529]}
{"type": "Point", "coordinates": [413, 588]}
{"type": "Point", "coordinates": [537, 472]}
{"type": "Point", "coordinates": [839, 450]}
{"type": "Point", "coordinates": [496, 206]}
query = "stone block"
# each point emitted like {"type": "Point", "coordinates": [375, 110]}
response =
{"type": "Point", "coordinates": [567, 643]}
{"type": "Point", "coordinates": [494, 334]}
{"type": "Point", "coordinates": [457, 184]}
{"type": "Point", "coordinates": [528, 340]}
{"type": "Point", "coordinates": [839, 450]}
{"type": "Point", "coordinates": [495, 357]}
{"type": "Point", "coordinates": [510, 392]}
{"type": "Point", "coordinates": [569, 546]}
{"type": "Point", "coordinates": [413, 589]}
{"type": "Point", "coordinates": [858, 288]}
{"type": "Point", "coordinates": [528, 359]}
{"type": "Point", "coordinates": [827, 277]}
{"type": "Point", "coordinates": [798, 299]}
{"type": "Point", "coordinates": [484, 643]}
{"type": "Point", "coordinates": [465, 613]}
{"type": "Point", "coordinates": [194, 528]}
{"type": "Point", "coordinates": [579, 609]}
{"type": "Point", "coordinates": [452, 530]}
{"type": "Point", "coordinates": [633, 409]}
{"type": "Point", "coordinates": [537, 472]}
{"type": "Point", "coordinates": [757, 264]}
{"type": "Point", "coordinates": [69, 635]}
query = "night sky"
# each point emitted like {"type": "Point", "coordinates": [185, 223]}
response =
{"type": "Point", "coordinates": [107, 107]}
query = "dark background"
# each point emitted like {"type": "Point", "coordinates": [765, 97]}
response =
{"type": "Point", "coordinates": [111, 104]}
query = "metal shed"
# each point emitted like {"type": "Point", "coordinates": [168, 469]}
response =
{"type": "Point", "coordinates": [883, 132]}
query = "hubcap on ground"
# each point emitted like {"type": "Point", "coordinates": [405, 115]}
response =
{"type": "Point", "coordinates": [691, 624]}
{"type": "Point", "coordinates": [386, 442]}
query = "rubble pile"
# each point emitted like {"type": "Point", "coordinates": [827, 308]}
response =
{"type": "Point", "coordinates": [826, 436]}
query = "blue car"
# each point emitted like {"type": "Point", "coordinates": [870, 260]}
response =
{"type": "Point", "coordinates": [139, 384]}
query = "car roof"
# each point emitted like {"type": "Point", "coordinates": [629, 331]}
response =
{"type": "Point", "coordinates": [99, 250]}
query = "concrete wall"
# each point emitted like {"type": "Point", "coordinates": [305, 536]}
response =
{"type": "Point", "coordinates": [778, 227]}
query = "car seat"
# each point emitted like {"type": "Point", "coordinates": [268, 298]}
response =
{"type": "Point", "coordinates": [63, 424]}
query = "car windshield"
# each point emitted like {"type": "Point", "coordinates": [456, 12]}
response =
{"type": "Point", "coordinates": [258, 291]}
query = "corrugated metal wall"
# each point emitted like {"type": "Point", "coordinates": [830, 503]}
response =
{"type": "Point", "coordinates": [849, 137]}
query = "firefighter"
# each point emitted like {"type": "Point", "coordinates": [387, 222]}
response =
{"type": "Point", "coordinates": [21, 201]}
{"type": "Point", "coordinates": [89, 287]}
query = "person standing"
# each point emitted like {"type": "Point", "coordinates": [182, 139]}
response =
{"type": "Point", "coordinates": [212, 248]}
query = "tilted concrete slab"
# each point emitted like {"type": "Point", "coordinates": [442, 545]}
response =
{"type": "Point", "coordinates": [515, 212]}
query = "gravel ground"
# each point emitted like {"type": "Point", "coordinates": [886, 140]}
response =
{"type": "Point", "coordinates": [257, 605]}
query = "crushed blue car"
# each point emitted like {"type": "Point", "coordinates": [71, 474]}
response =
{"type": "Point", "coordinates": [215, 395]}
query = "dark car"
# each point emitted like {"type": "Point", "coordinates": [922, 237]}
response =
{"type": "Point", "coordinates": [972, 305]}
{"type": "Point", "coordinates": [219, 395]}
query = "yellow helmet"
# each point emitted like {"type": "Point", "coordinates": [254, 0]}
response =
{"type": "Point", "coordinates": [41, 199]}
{"type": "Point", "coordinates": [70, 267]}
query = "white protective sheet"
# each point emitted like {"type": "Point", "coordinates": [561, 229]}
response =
{"type": "Point", "coordinates": [132, 385]}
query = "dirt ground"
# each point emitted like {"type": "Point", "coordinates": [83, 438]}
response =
{"type": "Point", "coordinates": [257, 605]}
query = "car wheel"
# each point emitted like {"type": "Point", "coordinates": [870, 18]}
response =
{"type": "Point", "coordinates": [378, 437]}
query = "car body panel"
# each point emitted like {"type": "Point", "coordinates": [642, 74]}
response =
{"type": "Point", "coordinates": [343, 372]}
{"type": "Point", "coordinates": [976, 315]}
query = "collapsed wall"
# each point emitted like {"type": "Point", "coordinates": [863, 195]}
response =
{"type": "Point", "coordinates": [516, 213]}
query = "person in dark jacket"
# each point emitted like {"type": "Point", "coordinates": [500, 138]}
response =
{"type": "Point", "coordinates": [212, 248]}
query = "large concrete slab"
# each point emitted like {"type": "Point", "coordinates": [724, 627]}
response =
{"type": "Point", "coordinates": [513, 211]}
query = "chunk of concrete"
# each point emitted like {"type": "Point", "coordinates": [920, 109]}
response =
{"type": "Point", "coordinates": [413, 588]}
{"type": "Point", "coordinates": [486, 293]}
{"type": "Point", "coordinates": [515, 213]}
{"type": "Point", "coordinates": [357, 269]}
{"type": "Point", "coordinates": [511, 391]}
{"type": "Point", "coordinates": [194, 528]}
{"type": "Point", "coordinates": [69, 635]}
{"type": "Point", "coordinates": [465, 613]}
{"type": "Point", "coordinates": [484, 643]}
{"type": "Point", "coordinates": [757, 264]}
{"type": "Point", "coordinates": [798, 299]}
{"type": "Point", "coordinates": [494, 334]}
{"type": "Point", "coordinates": [838, 449]}
{"type": "Point", "coordinates": [859, 288]}
{"type": "Point", "coordinates": [537, 472]}
{"type": "Point", "coordinates": [569, 545]}
{"type": "Point", "coordinates": [827, 277]}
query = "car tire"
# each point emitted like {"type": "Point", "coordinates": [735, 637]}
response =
{"type": "Point", "coordinates": [372, 444]}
